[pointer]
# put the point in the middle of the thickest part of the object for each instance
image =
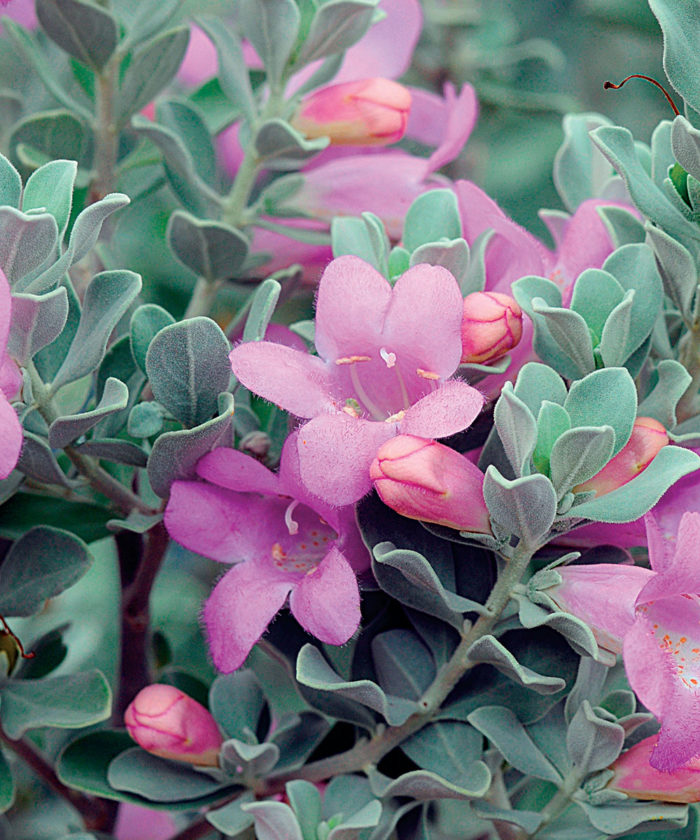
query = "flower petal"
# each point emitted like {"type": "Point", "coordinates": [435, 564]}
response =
{"type": "Point", "coordinates": [680, 573]}
{"type": "Point", "coordinates": [236, 471]}
{"type": "Point", "coordinates": [461, 112]}
{"type": "Point", "coordinates": [424, 319]}
{"type": "Point", "coordinates": [512, 252]}
{"type": "Point", "coordinates": [335, 453]}
{"type": "Point", "coordinates": [445, 411]}
{"type": "Point", "coordinates": [237, 612]}
{"type": "Point", "coordinates": [387, 48]}
{"type": "Point", "coordinates": [353, 298]}
{"type": "Point", "coordinates": [5, 313]}
{"type": "Point", "coordinates": [220, 523]}
{"type": "Point", "coordinates": [298, 382]}
{"type": "Point", "coordinates": [327, 601]}
{"type": "Point", "coordinates": [10, 437]}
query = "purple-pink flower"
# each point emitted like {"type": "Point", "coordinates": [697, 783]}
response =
{"type": "Point", "coordinates": [283, 542]}
{"type": "Point", "coordinates": [10, 383]}
{"type": "Point", "coordinates": [662, 648]}
{"type": "Point", "coordinates": [384, 365]}
{"type": "Point", "coordinates": [654, 615]}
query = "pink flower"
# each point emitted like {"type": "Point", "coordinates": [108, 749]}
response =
{"type": "Point", "coordinates": [603, 595]}
{"type": "Point", "coordinates": [662, 648]}
{"type": "Point", "coordinates": [385, 358]}
{"type": "Point", "coordinates": [423, 479]}
{"type": "Point", "coordinates": [369, 112]}
{"type": "Point", "coordinates": [167, 722]}
{"type": "Point", "coordinates": [492, 324]}
{"type": "Point", "coordinates": [10, 384]}
{"type": "Point", "coordinates": [647, 439]}
{"type": "Point", "coordinates": [284, 544]}
{"type": "Point", "coordinates": [635, 776]}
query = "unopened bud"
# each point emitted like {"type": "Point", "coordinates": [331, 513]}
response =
{"type": "Point", "coordinates": [635, 776]}
{"type": "Point", "coordinates": [167, 722]}
{"type": "Point", "coordinates": [369, 112]}
{"type": "Point", "coordinates": [492, 324]}
{"type": "Point", "coordinates": [423, 479]}
{"type": "Point", "coordinates": [647, 438]}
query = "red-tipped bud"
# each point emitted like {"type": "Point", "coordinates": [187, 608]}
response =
{"type": "Point", "coordinates": [492, 324]}
{"type": "Point", "coordinates": [422, 479]}
{"type": "Point", "coordinates": [637, 778]}
{"type": "Point", "coordinates": [369, 112]}
{"type": "Point", "coordinates": [149, 111]}
{"type": "Point", "coordinates": [647, 438]}
{"type": "Point", "coordinates": [167, 722]}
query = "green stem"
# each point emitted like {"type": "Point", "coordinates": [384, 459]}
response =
{"type": "Point", "coordinates": [560, 801]}
{"type": "Point", "coordinates": [371, 751]}
{"type": "Point", "coordinates": [202, 298]}
{"type": "Point", "coordinates": [100, 480]}
{"type": "Point", "coordinates": [105, 130]}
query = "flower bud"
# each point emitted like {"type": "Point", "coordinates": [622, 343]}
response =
{"type": "Point", "coordinates": [492, 324]}
{"type": "Point", "coordinates": [369, 112]}
{"type": "Point", "coordinates": [167, 722]}
{"type": "Point", "coordinates": [647, 438]}
{"type": "Point", "coordinates": [637, 778]}
{"type": "Point", "coordinates": [422, 479]}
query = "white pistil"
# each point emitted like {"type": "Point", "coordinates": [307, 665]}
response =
{"type": "Point", "coordinates": [292, 526]}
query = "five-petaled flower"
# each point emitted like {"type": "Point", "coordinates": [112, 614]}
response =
{"type": "Point", "coordinates": [283, 542]}
{"type": "Point", "coordinates": [385, 358]}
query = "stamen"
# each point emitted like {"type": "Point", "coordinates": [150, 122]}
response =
{"type": "Point", "coordinates": [350, 360]}
{"type": "Point", "coordinates": [404, 391]}
{"type": "Point", "coordinates": [363, 396]}
{"type": "Point", "coordinates": [427, 374]}
{"type": "Point", "coordinates": [396, 418]}
{"type": "Point", "coordinates": [608, 85]}
{"type": "Point", "coordinates": [292, 526]}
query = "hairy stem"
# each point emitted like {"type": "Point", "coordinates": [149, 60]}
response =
{"type": "Point", "coordinates": [371, 751]}
{"type": "Point", "coordinates": [95, 813]}
{"type": "Point", "coordinates": [105, 131]}
{"type": "Point", "coordinates": [135, 668]}
{"type": "Point", "coordinates": [202, 298]}
{"type": "Point", "coordinates": [560, 801]}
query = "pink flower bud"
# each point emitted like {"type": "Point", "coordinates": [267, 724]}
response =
{"type": "Point", "coordinates": [369, 112]}
{"type": "Point", "coordinates": [637, 778]}
{"type": "Point", "coordinates": [492, 324]}
{"type": "Point", "coordinates": [647, 438]}
{"type": "Point", "coordinates": [422, 479]}
{"type": "Point", "coordinates": [167, 722]}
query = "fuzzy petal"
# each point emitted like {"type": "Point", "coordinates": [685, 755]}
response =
{"type": "Point", "coordinates": [5, 312]}
{"type": "Point", "coordinates": [512, 251]}
{"type": "Point", "coordinates": [219, 523]}
{"type": "Point", "coordinates": [353, 299]}
{"type": "Point", "coordinates": [425, 318]}
{"type": "Point", "coordinates": [298, 382]}
{"type": "Point", "coordinates": [445, 411]}
{"type": "Point", "coordinates": [237, 612]}
{"type": "Point", "coordinates": [648, 671]}
{"type": "Point", "coordinates": [586, 242]}
{"type": "Point", "coordinates": [385, 183]}
{"type": "Point", "coordinates": [681, 574]}
{"type": "Point", "coordinates": [327, 602]}
{"type": "Point", "coordinates": [335, 453]}
{"type": "Point", "coordinates": [10, 437]}
{"type": "Point", "coordinates": [387, 48]}
{"type": "Point", "coordinates": [236, 471]}
{"type": "Point", "coordinates": [462, 112]}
